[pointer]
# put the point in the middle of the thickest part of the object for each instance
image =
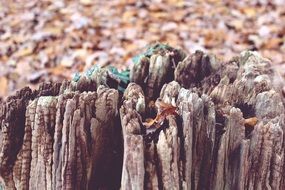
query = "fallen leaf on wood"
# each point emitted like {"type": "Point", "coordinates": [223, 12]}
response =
{"type": "Point", "coordinates": [149, 122]}
{"type": "Point", "coordinates": [250, 122]}
{"type": "Point", "coordinates": [163, 110]}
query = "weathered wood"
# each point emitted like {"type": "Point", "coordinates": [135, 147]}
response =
{"type": "Point", "coordinates": [155, 68]}
{"type": "Point", "coordinates": [133, 165]}
{"type": "Point", "coordinates": [210, 145]}
{"type": "Point", "coordinates": [67, 141]}
{"type": "Point", "coordinates": [228, 132]}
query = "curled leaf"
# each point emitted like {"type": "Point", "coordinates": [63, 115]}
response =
{"type": "Point", "coordinates": [163, 110]}
{"type": "Point", "coordinates": [250, 122]}
{"type": "Point", "coordinates": [149, 122]}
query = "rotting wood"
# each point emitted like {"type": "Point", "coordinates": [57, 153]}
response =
{"type": "Point", "coordinates": [82, 134]}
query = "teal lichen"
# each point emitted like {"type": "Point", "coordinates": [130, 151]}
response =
{"type": "Point", "coordinates": [136, 59]}
{"type": "Point", "coordinates": [89, 73]}
{"type": "Point", "coordinates": [121, 89]}
{"type": "Point", "coordinates": [122, 77]}
{"type": "Point", "coordinates": [76, 77]}
{"type": "Point", "coordinates": [156, 48]}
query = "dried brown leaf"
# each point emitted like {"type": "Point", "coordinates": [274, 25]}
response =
{"type": "Point", "coordinates": [163, 110]}
{"type": "Point", "coordinates": [250, 122]}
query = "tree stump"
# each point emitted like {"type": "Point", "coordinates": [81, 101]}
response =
{"type": "Point", "coordinates": [226, 132]}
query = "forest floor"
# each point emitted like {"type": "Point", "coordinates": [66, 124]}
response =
{"type": "Point", "coordinates": [50, 40]}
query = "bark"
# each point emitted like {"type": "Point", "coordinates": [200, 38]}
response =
{"type": "Point", "coordinates": [85, 134]}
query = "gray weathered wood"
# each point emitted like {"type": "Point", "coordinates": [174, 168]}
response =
{"type": "Point", "coordinates": [82, 134]}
